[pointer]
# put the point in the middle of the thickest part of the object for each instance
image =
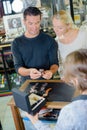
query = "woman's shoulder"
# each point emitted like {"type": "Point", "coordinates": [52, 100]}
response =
{"type": "Point", "coordinates": [74, 106]}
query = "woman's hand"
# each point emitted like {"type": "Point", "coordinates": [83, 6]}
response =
{"type": "Point", "coordinates": [33, 119]}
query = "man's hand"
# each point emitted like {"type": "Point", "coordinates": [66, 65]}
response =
{"type": "Point", "coordinates": [47, 74]}
{"type": "Point", "coordinates": [34, 73]}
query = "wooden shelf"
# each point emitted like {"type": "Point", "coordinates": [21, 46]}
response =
{"type": "Point", "coordinates": [7, 53]}
{"type": "Point", "coordinates": [8, 70]}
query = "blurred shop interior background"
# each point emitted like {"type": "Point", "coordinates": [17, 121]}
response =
{"type": "Point", "coordinates": [11, 10]}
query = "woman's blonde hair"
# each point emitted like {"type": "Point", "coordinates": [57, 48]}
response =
{"type": "Point", "coordinates": [76, 66]}
{"type": "Point", "coordinates": [65, 17]}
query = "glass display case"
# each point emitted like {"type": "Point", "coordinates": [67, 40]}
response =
{"type": "Point", "coordinates": [8, 77]}
{"type": "Point", "coordinates": [78, 10]}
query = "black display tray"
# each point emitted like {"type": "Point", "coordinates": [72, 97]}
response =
{"type": "Point", "coordinates": [60, 91]}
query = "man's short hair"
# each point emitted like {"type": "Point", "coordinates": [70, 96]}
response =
{"type": "Point", "coordinates": [31, 11]}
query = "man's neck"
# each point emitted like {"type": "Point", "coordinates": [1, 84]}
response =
{"type": "Point", "coordinates": [30, 36]}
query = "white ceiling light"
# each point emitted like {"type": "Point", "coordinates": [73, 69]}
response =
{"type": "Point", "coordinates": [17, 6]}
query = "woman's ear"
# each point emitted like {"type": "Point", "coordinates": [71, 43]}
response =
{"type": "Point", "coordinates": [75, 81]}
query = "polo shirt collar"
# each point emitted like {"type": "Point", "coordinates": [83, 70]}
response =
{"type": "Point", "coordinates": [80, 97]}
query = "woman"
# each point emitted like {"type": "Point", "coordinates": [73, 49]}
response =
{"type": "Point", "coordinates": [69, 37]}
{"type": "Point", "coordinates": [74, 115]}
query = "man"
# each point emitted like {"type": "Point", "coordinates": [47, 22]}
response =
{"type": "Point", "coordinates": [34, 51]}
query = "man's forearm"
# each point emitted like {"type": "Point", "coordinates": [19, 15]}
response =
{"type": "Point", "coordinates": [54, 68]}
{"type": "Point", "coordinates": [26, 72]}
{"type": "Point", "coordinates": [23, 71]}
